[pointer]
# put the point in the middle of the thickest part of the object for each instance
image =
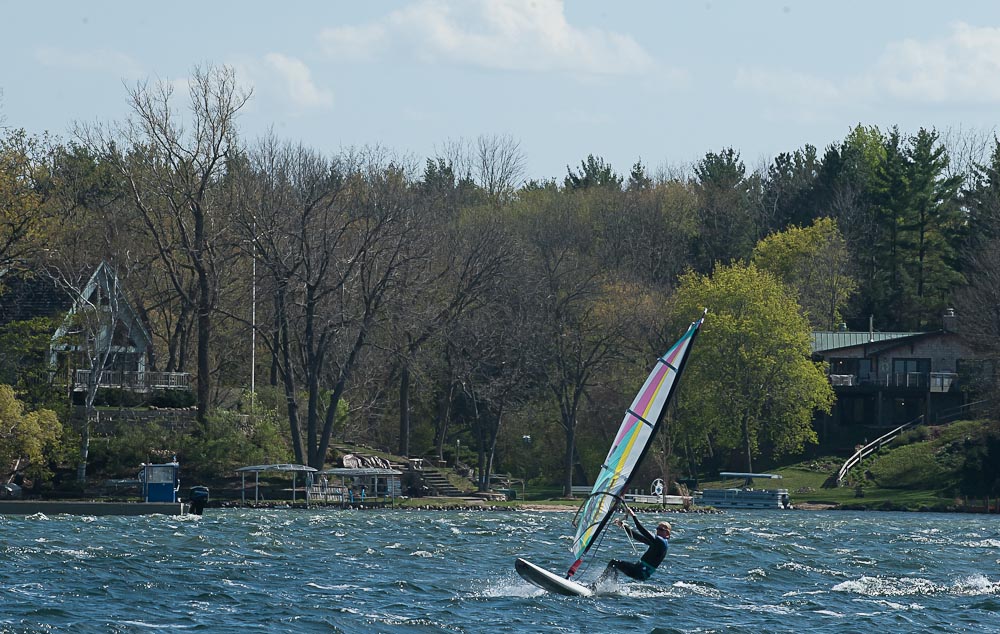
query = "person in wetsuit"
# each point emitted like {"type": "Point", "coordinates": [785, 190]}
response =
{"type": "Point", "coordinates": [652, 558]}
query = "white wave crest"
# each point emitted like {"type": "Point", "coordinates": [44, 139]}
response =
{"type": "Point", "coordinates": [974, 585]}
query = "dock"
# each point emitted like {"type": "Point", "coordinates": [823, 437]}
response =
{"type": "Point", "coordinates": [55, 507]}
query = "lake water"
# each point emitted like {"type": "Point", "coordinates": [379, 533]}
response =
{"type": "Point", "coordinates": [297, 571]}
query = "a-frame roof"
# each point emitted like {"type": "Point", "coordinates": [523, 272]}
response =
{"type": "Point", "coordinates": [106, 279]}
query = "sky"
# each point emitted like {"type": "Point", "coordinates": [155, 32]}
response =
{"type": "Point", "coordinates": [658, 81]}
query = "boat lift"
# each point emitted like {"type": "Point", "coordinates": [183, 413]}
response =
{"type": "Point", "coordinates": [257, 469]}
{"type": "Point", "coordinates": [372, 475]}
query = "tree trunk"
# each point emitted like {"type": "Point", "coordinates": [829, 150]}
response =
{"type": "Point", "coordinates": [746, 440]}
{"type": "Point", "coordinates": [443, 420]}
{"type": "Point", "coordinates": [81, 467]}
{"type": "Point", "coordinates": [404, 410]}
{"type": "Point", "coordinates": [568, 465]}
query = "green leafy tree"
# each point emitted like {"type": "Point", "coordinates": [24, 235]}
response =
{"type": "Point", "coordinates": [24, 358]}
{"type": "Point", "coordinates": [26, 437]}
{"type": "Point", "coordinates": [751, 386]}
{"type": "Point", "coordinates": [844, 191]}
{"type": "Point", "coordinates": [816, 263]}
{"type": "Point", "coordinates": [25, 177]}
{"type": "Point", "coordinates": [638, 178]}
{"type": "Point", "coordinates": [979, 474]}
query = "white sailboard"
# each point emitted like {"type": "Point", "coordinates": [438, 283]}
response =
{"type": "Point", "coordinates": [550, 581]}
{"type": "Point", "coordinates": [638, 428]}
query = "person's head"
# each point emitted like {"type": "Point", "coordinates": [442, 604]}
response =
{"type": "Point", "coordinates": [663, 529]}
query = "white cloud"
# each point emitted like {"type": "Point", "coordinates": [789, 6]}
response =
{"type": "Point", "coordinates": [298, 82]}
{"type": "Point", "coordinates": [354, 42]}
{"type": "Point", "coordinates": [98, 60]}
{"type": "Point", "coordinates": [962, 67]}
{"type": "Point", "coordinates": [524, 35]}
{"type": "Point", "coordinates": [794, 87]}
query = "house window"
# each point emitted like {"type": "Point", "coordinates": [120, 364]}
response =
{"type": "Point", "coordinates": [861, 368]}
{"type": "Point", "coordinates": [910, 372]}
{"type": "Point", "coordinates": [865, 370]}
{"type": "Point", "coordinates": [911, 366]}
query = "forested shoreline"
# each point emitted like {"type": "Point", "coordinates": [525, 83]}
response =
{"type": "Point", "coordinates": [453, 307]}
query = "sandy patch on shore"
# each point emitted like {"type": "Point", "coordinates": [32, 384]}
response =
{"type": "Point", "coordinates": [547, 507]}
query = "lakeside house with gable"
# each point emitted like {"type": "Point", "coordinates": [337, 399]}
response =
{"type": "Point", "coordinates": [99, 318]}
{"type": "Point", "coordinates": [885, 379]}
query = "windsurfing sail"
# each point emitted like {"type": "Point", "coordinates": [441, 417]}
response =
{"type": "Point", "coordinates": [642, 421]}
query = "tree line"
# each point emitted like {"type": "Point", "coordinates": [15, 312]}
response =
{"type": "Point", "coordinates": [421, 306]}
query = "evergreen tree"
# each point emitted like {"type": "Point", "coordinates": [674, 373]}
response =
{"type": "Point", "coordinates": [594, 172]}
{"type": "Point", "coordinates": [725, 232]}
{"type": "Point", "coordinates": [933, 232]}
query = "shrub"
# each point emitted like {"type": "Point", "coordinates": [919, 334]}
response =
{"type": "Point", "coordinates": [172, 398]}
{"type": "Point", "coordinates": [229, 440]}
{"type": "Point", "coordinates": [917, 434]}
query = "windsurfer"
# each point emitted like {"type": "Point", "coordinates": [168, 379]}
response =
{"type": "Point", "coordinates": [652, 558]}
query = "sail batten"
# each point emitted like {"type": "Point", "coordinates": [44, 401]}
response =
{"type": "Point", "coordinates": [640, 418]}
{"type": "Point", "coordinates": [637, 430]}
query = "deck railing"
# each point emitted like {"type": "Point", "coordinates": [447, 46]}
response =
{"type": "Point", "coordinates": [137, 381]}
{"type": "Point", "coordinates": [933, 381]}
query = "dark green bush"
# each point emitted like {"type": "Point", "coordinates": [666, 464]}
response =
{"type": "Point", "coordinates": [172, 398]}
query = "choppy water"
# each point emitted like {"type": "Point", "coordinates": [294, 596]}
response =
{"type": "Point", "coordinates": [429, 571]}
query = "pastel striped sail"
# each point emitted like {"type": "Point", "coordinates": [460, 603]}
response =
{"type": "Point", "coordinates": [642, 420]}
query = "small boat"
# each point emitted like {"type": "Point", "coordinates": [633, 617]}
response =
{"type": "Point", "coordinates": [745, 496]}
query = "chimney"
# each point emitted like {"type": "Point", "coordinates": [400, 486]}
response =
{"type": "Point", "coordinates": [949, 321]}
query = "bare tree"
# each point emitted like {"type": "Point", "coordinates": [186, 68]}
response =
{"type": "Point", "coordinates": [333, 239]}
{"type": "Point", "coordinates": [581, 334]}
{"type": "Point", "coordinates": [174, 175]}
{"type": "Point", "coordinates": [96, 331]}
{"type": "Point", "coordinates": [499, 166]}
{"type": "Point", "coordinates": [499, 363]}
{"type": "Point", "coordinates": [966, 148]}
{"type": "Point", "coordinates": [978, 305]}
{"type": "Point", "coordinates": [461, 275]}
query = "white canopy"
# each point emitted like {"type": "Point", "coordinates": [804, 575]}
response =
{"type": "Point", "coordinates": [277, 467]}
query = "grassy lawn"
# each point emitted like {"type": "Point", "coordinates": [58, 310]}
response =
{"type": "Point", "coordinates": [919, 471]}
{"type": "Point", "coordinates": [905, 466]}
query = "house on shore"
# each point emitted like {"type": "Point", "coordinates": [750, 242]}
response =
{"type": "Point", "coordinates": [885, 379]}
{"type": "Point", "coordinates": [98, 322]}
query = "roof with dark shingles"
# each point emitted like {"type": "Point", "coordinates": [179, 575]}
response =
{"type": "Point", "coordinates": [23, 298]}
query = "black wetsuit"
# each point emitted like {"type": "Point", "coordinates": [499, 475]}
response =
{"type": "Point", "coordinates": [653, 557]}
